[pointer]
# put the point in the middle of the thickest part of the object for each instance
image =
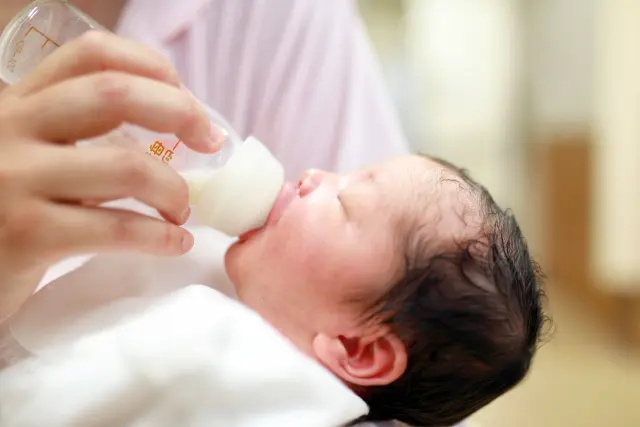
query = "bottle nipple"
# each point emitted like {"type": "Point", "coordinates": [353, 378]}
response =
{"type": "Point", "coordinates": [237, 197]}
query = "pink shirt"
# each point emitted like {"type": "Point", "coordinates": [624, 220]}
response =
{"type": "Point", "coordinates": [300, 75]}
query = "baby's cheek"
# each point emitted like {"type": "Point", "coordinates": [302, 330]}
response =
{"type": "Point", "coordinates": [310, 262]}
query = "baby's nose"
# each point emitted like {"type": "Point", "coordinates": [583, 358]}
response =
{"type": "Point", "coordinates": [307, 174]}
{"type": "Point", "coordinates": [309, 181]}
{"type": "Point", "coordinates": [313, 178]}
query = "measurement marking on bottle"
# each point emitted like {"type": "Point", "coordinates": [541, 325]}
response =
{"type": "Point", "coordinates": [19, 46]}
{"type": "Point", "coordinates": [159, 150]}
{"type": "Point", "coordinates": [13, 59]}
{"type": "Point", "coordinates": [47, 40]}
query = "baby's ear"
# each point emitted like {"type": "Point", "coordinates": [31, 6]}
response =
{"type": "Point", "coordinates": [373, 360]}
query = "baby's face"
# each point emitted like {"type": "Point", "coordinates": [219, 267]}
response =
{"type": "Point", "coordinates": [333, 244]}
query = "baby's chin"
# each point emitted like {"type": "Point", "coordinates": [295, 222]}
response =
{"type": "Point", "coordinates": [232, 260]}
{"type": "Point", "coordinates": [241, 272]}
{"type": "Point", "coordinates": [241, 260]}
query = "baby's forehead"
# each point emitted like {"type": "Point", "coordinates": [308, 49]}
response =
{"type": "Point", "coordinates": [423, 169]}
{"type": "Point", "coordinates": [438, 204]}
{"type": "Point", "coordinates": [427, 182]}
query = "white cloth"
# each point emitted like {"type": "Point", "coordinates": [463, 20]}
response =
{"type": "Point", "coordinates": [193, 358]}
{"type": "Point", "coordinates": [87, 296]}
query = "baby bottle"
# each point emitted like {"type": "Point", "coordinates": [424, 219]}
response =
{"type": "Point", "coordinates": [232, 190]}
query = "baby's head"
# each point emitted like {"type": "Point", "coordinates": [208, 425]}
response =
{"type": "Point", "coordinates": [405, 279]}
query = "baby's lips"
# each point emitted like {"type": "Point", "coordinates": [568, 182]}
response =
{"type": "Point", "coordinates": [246, 236]}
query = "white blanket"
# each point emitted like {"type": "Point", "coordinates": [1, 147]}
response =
{"type": "Point", "coordinates": [192, 358]}
{"type": "Point", "coordinates": [124, 340]}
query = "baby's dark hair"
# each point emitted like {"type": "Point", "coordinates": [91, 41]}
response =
{"type": "Point", "coordinates": [471, 320]}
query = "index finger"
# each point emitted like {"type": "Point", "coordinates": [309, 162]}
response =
{"type": "Point", "coordinates": [97, 51]}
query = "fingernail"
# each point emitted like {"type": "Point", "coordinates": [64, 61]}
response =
{"type": "Point", "coordinates": [187, 241]}
{"type": "Point", "coordinates": [216, 138]}
{"type": "Point", "coordinates": [185, 215]}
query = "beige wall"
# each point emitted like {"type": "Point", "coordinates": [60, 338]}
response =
{"type": "Point", "coordinates": [585, 77]}
{"type": "Point", "coordinates": [561, 63]}
{"type": "Point", "coordinates": [616, 226]}
{"type": "Point", "coordinates": [468, 54]}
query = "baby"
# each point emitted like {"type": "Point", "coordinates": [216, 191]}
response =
{"type": "Point", "coordinates": [405, 279]}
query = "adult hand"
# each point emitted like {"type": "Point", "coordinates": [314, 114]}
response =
{"type": "Point", "coordinates": [50, 190]}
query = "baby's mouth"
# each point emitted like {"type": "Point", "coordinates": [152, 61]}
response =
{"type": "Point", "coordinates": [288, 192]}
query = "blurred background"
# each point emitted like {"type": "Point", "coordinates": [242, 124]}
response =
{"type": "Point", "coordinates": [539, 100]}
